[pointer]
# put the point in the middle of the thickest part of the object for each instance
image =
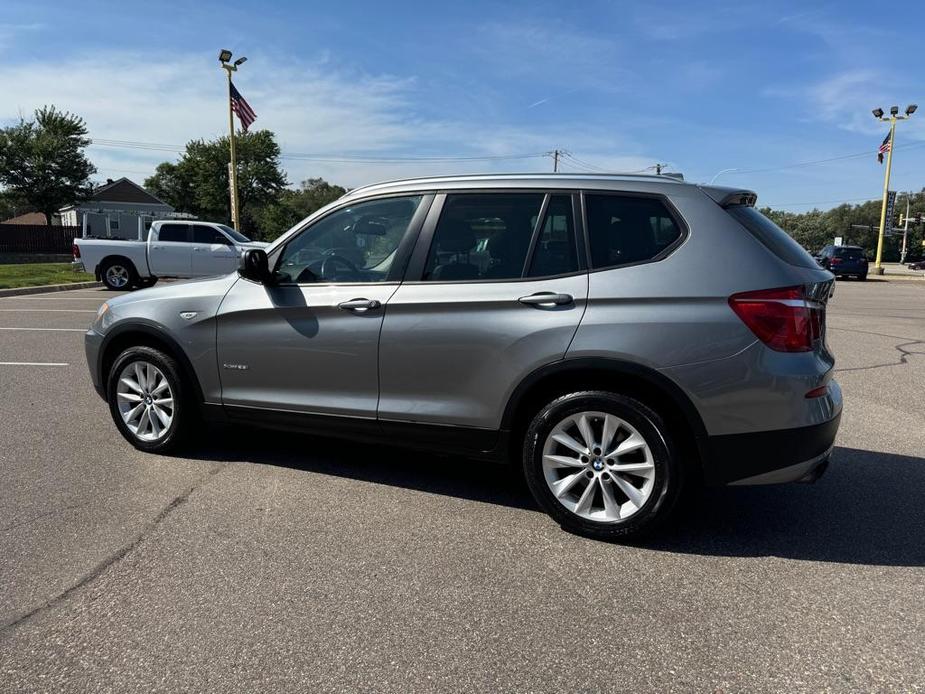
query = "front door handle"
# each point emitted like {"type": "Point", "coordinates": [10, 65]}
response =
{"type": "Point", "coordinates": [546, 299]}
{"type": "Point", "coordinates": [359, 305]}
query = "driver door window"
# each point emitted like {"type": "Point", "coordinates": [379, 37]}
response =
{"type": "Point", "coordinates": [358, 243]}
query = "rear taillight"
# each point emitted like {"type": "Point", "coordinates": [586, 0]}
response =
{"type": "Point", "coordinates": [783, 319]}
{"type": "Point", "coordinates": [75, 249]}
{"type": "Point", "coordinates": [835, 261]}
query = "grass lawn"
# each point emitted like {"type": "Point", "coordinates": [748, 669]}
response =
{"type": "Point", "coordinates": [32, 274]}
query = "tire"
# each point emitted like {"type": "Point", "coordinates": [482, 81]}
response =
{"type": "Point", "coordinates": [863, 277]}
{"type": "Point", "coordinates": [622, 517]}
{"type": "Point", "coordinates": [156, 367]}
{"type": "Point", "coordinates": [118, 274]}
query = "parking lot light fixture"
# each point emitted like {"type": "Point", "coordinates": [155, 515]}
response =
{"type": "Point", "coordinates": [224, 55]}
{"type": "Point", "coordinates": [894, 116]}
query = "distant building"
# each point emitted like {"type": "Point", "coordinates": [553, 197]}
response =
{"type": "Point", "coordinates": [30, 219]}
{"type": "Point", "coordinates": [118, 208]}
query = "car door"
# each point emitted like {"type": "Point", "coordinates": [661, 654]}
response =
{"type": "Point", "coordinates": [308, 344]}
{"type": "Point", "coordinates": [170, 253]}
{"type": "Point", "coordinates": [496, 289]}
{"type": "Point", "coordinates": [213, 252]}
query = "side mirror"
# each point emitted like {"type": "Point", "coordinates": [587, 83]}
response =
{"type": "Point", "coordinates": [254, 266]}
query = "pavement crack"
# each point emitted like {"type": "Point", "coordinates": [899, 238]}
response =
{"type": "Point", "coordinates": [116, 556]}
{"type": "Point", "coordinates": [40, 516]}
{"type": "Point", "coordinates": [904, 355]}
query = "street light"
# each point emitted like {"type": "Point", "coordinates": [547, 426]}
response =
{"type": "Point", "coordinates": [878, 114]}
{"type": "Point", "coordinates": [224, 57]}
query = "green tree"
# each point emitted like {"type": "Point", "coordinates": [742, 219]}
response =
{"type": "Point", "coordinates": [294, 205]}
{"type": "Point", "coordinates": [42, 161]}
{"type": "Point", "coordinates": [198, 183]}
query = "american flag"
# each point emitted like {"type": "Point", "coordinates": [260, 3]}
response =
{"type": "Point", "coordinates": [884, 147]}
{"type": "Point", "coordinates": [240, 106]}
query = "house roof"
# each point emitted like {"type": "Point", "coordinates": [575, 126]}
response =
{"type": "Point", "coordinates": [31, 218]}
{"type": "Point", "coordinates": [124, 190]}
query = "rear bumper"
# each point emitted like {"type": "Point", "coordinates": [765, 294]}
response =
{"type": "Point", "coordinates": [840, 271]}
{"type": "Point", "coordinates": [770, 457]}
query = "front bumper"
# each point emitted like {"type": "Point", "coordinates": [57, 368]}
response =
{"type": "Point", "coordinates": [770, 457]}
{"type": "Point", "coordinates": [93, 342]}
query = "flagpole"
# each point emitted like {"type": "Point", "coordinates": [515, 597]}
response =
{"type": "Point", "coordinates": [224, 57]}
{"type": "Point", "coordinates": [878, 268]}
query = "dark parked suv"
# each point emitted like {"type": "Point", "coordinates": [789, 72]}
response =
{"type": "Point", "coordinates": [619, 337]}
{"type": "Point", "coordinates": [844, 261]}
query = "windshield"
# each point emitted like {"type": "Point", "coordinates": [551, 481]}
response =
{"type": "Point", "coordinates": [236, 235]}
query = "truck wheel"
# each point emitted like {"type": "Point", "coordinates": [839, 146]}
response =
{"type": "Point", "coordinates": [148, 400]}
{"type": "Point", "coordinates": [118, 274]}
{"type": "Point", "coordinates": [603, 465]}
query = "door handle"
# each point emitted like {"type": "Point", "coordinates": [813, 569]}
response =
{"type": "Point", "coordinates": [359, 305]}
{"type": "Point", "coordinates": [546, 299]}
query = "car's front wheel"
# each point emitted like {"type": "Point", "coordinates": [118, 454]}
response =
{"type": "Point", "coordinates": [147, 399]}
{"type": "Point", "coordinates": [602, 465]}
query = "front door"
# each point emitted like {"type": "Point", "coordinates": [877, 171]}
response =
{"type": "Point", "coordinates": [500, 293]}
{"type": "Point", "coordinates": [213, 252]}
{"type": "Point", "coordinates": [309, 344]}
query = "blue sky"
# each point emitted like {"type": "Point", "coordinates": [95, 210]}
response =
{"type": "Point", "coordinates": [750, 86]}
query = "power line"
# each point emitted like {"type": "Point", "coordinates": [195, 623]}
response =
{"type": "Point", "coordinates": [822, 161]}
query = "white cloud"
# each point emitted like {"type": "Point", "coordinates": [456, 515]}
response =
{"type": "Point", "coordinates": [314, 109]}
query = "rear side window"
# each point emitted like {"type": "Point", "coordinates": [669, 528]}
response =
{"type": "Point", "coordinates": [778, 241]}
{"type": "Point", "coordinates": [173, 232]}
{"type": "Point", "coordinates": [624, 229]}
{"type": "Point", "coordinates": [483, 236]}
{"type": "Point", "coordinates": [556, 252]}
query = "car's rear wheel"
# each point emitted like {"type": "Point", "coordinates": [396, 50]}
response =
{"type": "Point", "coordinates": [147, 399]}
{"type": "Point", "coordinates": [118, 274]}
{"type": "Point", "coordinates": [602, 465]}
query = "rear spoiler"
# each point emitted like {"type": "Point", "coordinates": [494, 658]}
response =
{"type": "Point", "coordinates": [731, 197]}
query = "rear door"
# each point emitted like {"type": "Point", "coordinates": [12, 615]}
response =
{"type": "Point", "coordinates": [496, 288]}
{"type": "Point", "coordinates": [170, 253]}
{"type": "Point", "coordinates": [213, 252]}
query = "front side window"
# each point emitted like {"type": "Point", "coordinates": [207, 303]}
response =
{"type": "Point", "coordinates": [624, 229]}
{"type": "Point", "coordinates": [234, 233]}
{"type": "Point", "coordinates": [354, 244]}
{"type": "Point", "coordinates": [210, 235]}
{"type": "Point", "coordinates": [173, 232]}
{"type": "Point", "coordinates": [483, 237]}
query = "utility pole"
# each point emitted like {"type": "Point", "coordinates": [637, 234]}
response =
{"type": "Point", "coordinates": [878, 114]}
{"type": "Point", "coordinates": [224, 57]}
{"type": "Point", "coordinates": [902, 253]}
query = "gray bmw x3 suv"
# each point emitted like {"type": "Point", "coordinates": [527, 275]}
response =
{"type": "Point", "coordinates": [620, 336]}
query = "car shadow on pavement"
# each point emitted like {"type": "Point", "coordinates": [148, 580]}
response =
{"type": "Point", "coordinates": [866, 509]}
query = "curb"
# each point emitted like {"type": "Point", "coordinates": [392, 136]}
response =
{"type": "Point", "coordinates": [41, 289]}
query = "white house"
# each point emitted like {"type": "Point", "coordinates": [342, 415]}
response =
{"type": "Point", "coordinates": [119, 208]}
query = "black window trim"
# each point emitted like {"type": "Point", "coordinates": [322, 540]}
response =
{"type": "Point", "coordinates": [418, 264]}
{"type": "Point", "coordinates": [403, 251]}
{"type": "Point", "coordinates": [673, 212]}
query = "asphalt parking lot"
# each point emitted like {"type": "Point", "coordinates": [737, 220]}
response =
{"type": "Point", "coordinates": [270, 562]}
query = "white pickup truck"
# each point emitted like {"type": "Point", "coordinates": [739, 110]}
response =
{"type": "Point", "coordinates": [173, 249]}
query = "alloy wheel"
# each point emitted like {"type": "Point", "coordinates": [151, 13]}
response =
{"type": "Point", "coordinates": [117, 276]}
{"type": "Point", "coordinates": [598, 466]}
{"type": "Point", "coordinates": [145, 400]}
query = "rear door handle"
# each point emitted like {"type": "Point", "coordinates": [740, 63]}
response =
{"type": "Point", "coordinates": [546, 299]}
{"type": "Point", "coordinates": [359, 305]}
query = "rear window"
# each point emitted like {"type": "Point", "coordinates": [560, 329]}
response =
{"type": "Point", "coordinates": [778, 241]}
{"type": "Point", "coordinates": [173, 232]}
{"type": "Point", "coordinates": [850, 253]}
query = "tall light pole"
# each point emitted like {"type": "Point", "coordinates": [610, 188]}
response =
{"type": "Point", "coordinates": [878, 114]}
{"type": "Point", "coordinates": [224, 57]}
